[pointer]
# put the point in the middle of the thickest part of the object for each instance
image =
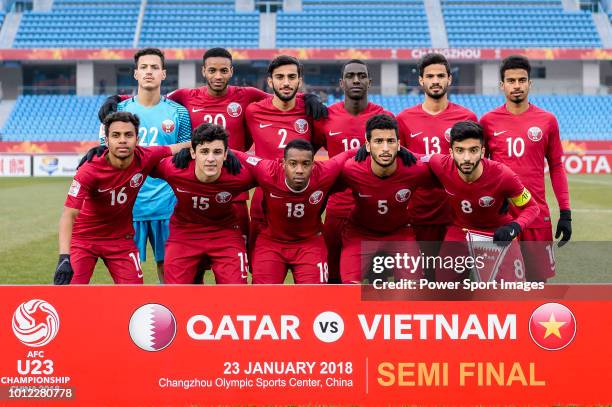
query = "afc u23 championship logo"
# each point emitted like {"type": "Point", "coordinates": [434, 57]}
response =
{"type": "Point", "coordinates": [35, 323]}
{"type": "Point", "coordinates": [152, 327]}
{"type": "Point", "coordinates": [234, 109]}
{"type": "Point", "coordinates": [534, 134]}
{"type": "Point", "coordinates": [301, 126]}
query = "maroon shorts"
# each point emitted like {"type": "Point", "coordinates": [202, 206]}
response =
{"type": "Point", "coordinates": [492, 262]}
{"type": "Point", "coordinates": [537, 248]}
{"type": "Point", "coordinates": [360, 253]}
{"type": "Point", "coordinates": [255, 227]}
{"type": "Point", "coordinates": [122, 261]}
{"type": "Point", "coordinates": [307, 259]}
{"type": "Point", "coordinates": [225, 253]}
{"type": "Point", "coordinates": [332, 232]}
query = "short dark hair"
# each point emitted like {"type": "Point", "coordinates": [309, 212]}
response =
{"type": "Point", "coordinates": [206, 133]}
{"type": "Point", "coordinates": [514, 62]}
{"type": "Point", "coordinates": [126, 117]}
{"type": "Point", "coordinates": [353, 61]}
{"type": "Point", "coordinates": [285, 60]}
{"type": "Point", "coordinates": [150, 51]}
{"type": "Point", "coordinates": [299, 144]}
{"type": "Point", "coordinates": [465, 130]}
{"type": "Point", "coordinates": [380, 122]}
{"type": "Point", "coordinates": [218, 53]}
{"type": "Point", "coordinates": [433, 59]}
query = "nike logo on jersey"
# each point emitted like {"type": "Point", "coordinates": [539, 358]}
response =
{"type": "Point", "coordinates": [413, 135]}
{"type": "Point", "coordinates": [194, 110]}
{"type": "Point", "coordinates": [450, 193]}
{"type": "Point", "coordinates": [274, 196]}
{"type": "Point", "coordinates": [104, 190]}
{"type": "Point", "coordinates": [263, 126]}
{"type": "Point", "coordinates": [497, 133]}
{"type": "Point", "coordinates": [184, 191]}
{"type": "Point", "coordinates": [140, 275]}
{"type": "Point", "coordinates": [334, 133]}
{"type": "Point", "coordinates": [364, 196]}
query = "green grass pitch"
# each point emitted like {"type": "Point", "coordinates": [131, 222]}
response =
{"type": "Point", "coordinates": [30, 210]}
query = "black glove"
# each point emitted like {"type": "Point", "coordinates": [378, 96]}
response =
{"type": "Point", "coordinates": [109, 106]}
{"type": "Point", "coordinates": [407, 157]}
{"type": "Point", "coordinates": [182, 158]}
{"type": "Point", "coordinates": [314, 107]}
{"type": "Point", "coordinates": [94, 151]}
{"type": "Point", "coordinates": [362, 154]}
{"type": "Point", "coordinates": [232, 163]}
{"type": "Point", "coordinates": [63, 271]}
{"type": "Point", "coordinates": [504, 208]}
{"type": "Point", "coordinates": [564, 226]}
{"type": "Point", "coordinates": [505, 234]}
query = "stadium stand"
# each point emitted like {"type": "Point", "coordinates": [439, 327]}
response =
{"type": "Point", "coordinates": [198, 24]}
{"type": "Point", "coordinates": [352, 23]}
{"type": "Point", "coordinates": [80, 24]}
{"type": "Point", "coordinates": [1, 18]}
{"type": "Point", "coordinates": [517, 24]}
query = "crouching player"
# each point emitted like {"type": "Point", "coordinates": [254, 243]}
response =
{"type": "Point", "coordinates": [294, 193]}
{"type": "Point", "coordinates": [97, 218]}
{"type": "Point", "coordinates": [478, 191]}
{"type": "Point", "coordinates": [205, 224]}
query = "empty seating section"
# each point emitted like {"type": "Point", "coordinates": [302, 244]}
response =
{"type": "Point", "coordinates": [1, 17]}
{"type": "Point", "coordinates": [198, 24]}
{"type": "Point", "coordinates": [517, 23]}
{"type": "Point", "coordinates": [54, 118]}
{"type": "Point", "coordinates": [80, 24]}
{"type": "Point", "coordinates": [353, 24]}
{"type": "Point", "coordinates": [580, 117]}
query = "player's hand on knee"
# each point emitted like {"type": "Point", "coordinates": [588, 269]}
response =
{"type": "Point", "coordinates": [232, 163]}
{"type": "Point", "coordinates": [93, 152]}
{"type": "Point", "coordinates": [109, 106]}
{"type": "Point", "coordinates": [362, 154]}
{"type": "Point", "coordinates": [505, 234]}
{"type": "Point", "coordinates": [564, 227]}
{"type": "Point", "coordinates": [182, 158]}
{"type": "Point", "coordinates": [406, 156]}
{"type": "Point", "coordinates": [314, 107]}
{"type": "Point", "coordinates": [63, 271]}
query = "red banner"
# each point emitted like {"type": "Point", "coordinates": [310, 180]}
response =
{"type": "Point", "coordinates": [273, 345]}
{"type": "Point", "coordinates": [305, 54]}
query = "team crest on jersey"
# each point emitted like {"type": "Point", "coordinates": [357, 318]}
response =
{"type": "Point", "coordinates": [234, 109]}
{"type": "Point", "coordinates": [447, 134]}
{"type": "Point", "coordinates": [402, 195]}
{"type": "Point", "coordinates": [486, 201]}
{"type": "Point", "coordinates": [136, 180]}
{"type": "Point", "coordinates": [74, 188]}
{"type": "Point", "coordinates": [534, 133]}
{"type": "Point", "coordinates": [315, 197]}
{"type": "Point", "coordinates": [301, 126]}
{"type": "Point", "coordinates": [168, 126]}
{"type": "Point", "coordinates": [223, 197]}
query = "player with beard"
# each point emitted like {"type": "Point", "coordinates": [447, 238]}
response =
{"type": "Point", "coordinates": [522, 136]}
{"type": "Point", "coordinates": [425, 129]}
{"type": "Point", "coordinates": [381, 186]}
{"type": "Point", "coordinates": [344, 129]}
{"type": "Point", "coordinates": [478, 189]}
{"type": "Point", "coordinates": [274, 122]}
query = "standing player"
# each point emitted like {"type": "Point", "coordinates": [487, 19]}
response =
{"type": "Point", "coordinates": [204, 225]}
{"type": "Point", "coordinates": [295, 191]}
{"type": "Point", "coordinates": [276, 121]}
{"type": "Point", "coordinates": [162, 122]}
{"type": "Point", "coordinates": [382, 186]}
{"type": "Point", "coordinates": [97, 217]}
{"type": "Point", "coordinates": [344, 129]}
{"type": "Point", "coordinates": [478, 189]}
{"type": "Point", "coordinates": [522, 136]}
{"type": "Point", "coordinates": [425, 129]}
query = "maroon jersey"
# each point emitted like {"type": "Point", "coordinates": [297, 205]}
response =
{"type": "Point", "coordinates": [477, 205]}
{"type": "Point", "coordinates": [423, 133]}
{"type": "Point", "coordinates": [381, 204]}
{"type": "Point", "coordinates": [271, 130]}
{"type": "Point", "coordinates": [202, 208]}
{"type": "Point", "coordinates": [522, 142]}
{"type": "Point", "coordinates": [105, 195]}
{"type": "Point", "coordinates": [295, 215]}
{"type": "Point", "coordinates": [339, 132]}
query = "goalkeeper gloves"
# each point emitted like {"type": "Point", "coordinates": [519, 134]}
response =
{"type": "Point", "coordinates": [63, 271]}
{"type": "Point", "coordinates": [505, 234]}
{"type": "Point", "coordinates": [564, 227]}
